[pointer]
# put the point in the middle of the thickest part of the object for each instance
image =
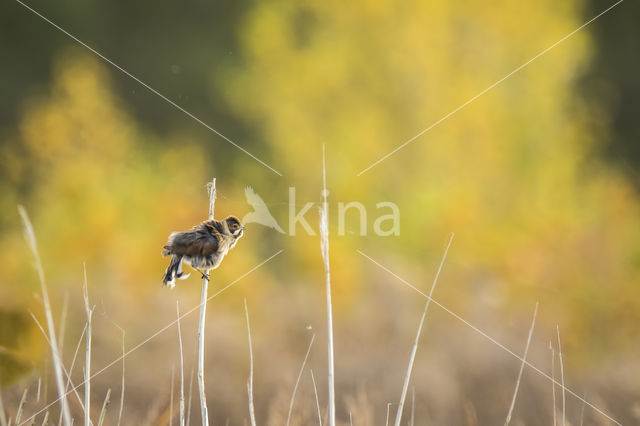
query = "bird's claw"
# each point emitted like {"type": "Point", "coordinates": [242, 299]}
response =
{"type": "Point", "coordinates": [205, 276]}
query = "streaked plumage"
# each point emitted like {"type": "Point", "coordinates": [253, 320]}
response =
{"type": "Point", "coordinates": [203, 247]}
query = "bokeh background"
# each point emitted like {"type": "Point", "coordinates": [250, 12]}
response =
{"type": "Point", "coordinates": [538, 178]}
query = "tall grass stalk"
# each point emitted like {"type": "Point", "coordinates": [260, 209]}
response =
{"type": "Point", "coordinates": [3, 416]}
{"type": "Point", "coordinates": [105, 404]}
{"type": "Point", "coordinates": [203, 310]}
{"type": "Point", "coordinates": [64, 370]}
{"type": "Point", "coordinates": [553, 382]}
{"type": "Point", "coordinates": [57, 362]}
{"type": "Point", "coordinates": [413, 405]}
{"type": "Point", "coordinates": [295, 387]}
{"type": "Point", "coordinates": [73, 360]}
{"type": "Point", "coordinates": [87, 362]}
{"type": "Point", "coordinates": [412, 358]}
{"type": "Point", "coordinates": [45, 419]}
{"type": "Point", "coordinates": [324, 247]}
{"type": "Point", "coordinates": [524, 360]}
{"type": "Point", "coordinates": [63, 322]}
{"type": "Point", "coordinates": [123, 374]}
{"type": "Point", "coordinates": [315, 393]}
{"type": "Point", "coordinates": [584, 395]}
{"type": "Point", "coordinates": [561, 376]}
{"type": "Point", "coordinates": [173, 373]}
{"type": "Point", "coordinates": [23, 401]}
{"type": "Point", "coordinates": [189, 398]}
{"type": "Point", "coordinates": [181, 366]}
{"type": "Point", "coordinates": [252, 414]}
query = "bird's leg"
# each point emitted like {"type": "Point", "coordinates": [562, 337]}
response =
{"type": "Point", "coordinates": [204, 274]}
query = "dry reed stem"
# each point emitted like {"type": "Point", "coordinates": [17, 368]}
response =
{"type": "Point", "coordinates": [524, 359]}
{"type": "Point", "coordinates": [413, 405]}
{"type": "Point", "coordinates": [388, 410]}
{"type": "Point", "coordinates": [105, 404]}
{"type": "Point", "coordinates": [173, 372]}
{"type": "Point", "coordinates": [23, 401]}
{"type": "Point", "coordinates": [203, 309]}
{"type": "Point", "coordinates": [63, 322]}
{"type": "Point", "coordinates": [324, 246]}
{"type": "Point", "coordinates": [295, 387]}
{"type": "Point", "coordinates": [181, 366]}
{"type": "Point", "coordinates": [412, 358]}
{"type": "Point", "coordinates": [315, 393]}
{"type": "Point", "coordinates": [561, 375]}
{"type": "Point", "coordinates": [67, 374]}
{"type": "Point", "coordinates": [45, 419]}
{"type": "Point", "coordinates": [57, 362]}
{"type": "Point", "coordinates": [122, 387]}
{"type": "Point", "coordinates": [87, 362]}
{"type": "Point", "coordinates": [189, 399]}
{"type": "Point", "coordinates": [3, 417]}
{"type": "Point", "coordinates": [252, 414]}
{"type": "Point", "coordinates": [553, 381]}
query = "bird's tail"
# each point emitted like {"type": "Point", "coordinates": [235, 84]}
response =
{"type": "Point", "coordinates": [174, 271]}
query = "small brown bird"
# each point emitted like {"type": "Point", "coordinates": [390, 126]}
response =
{"type": "Point", "coordinates": [203, 247]}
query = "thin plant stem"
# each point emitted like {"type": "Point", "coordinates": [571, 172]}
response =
{"type": "Point", "coordinates": [105, 404]}
{"type": "Point", "coordinates": [122, 387]}
{"type": "Point", "coordinates": [45, 419]}
{"type": "Point", "coordinates": [324, 246]}
{"type": "Point", "coordinates": [295, 387]}
{"type": "Point", "coordinates": [64, 370]}
{"type": "Point", "coordinates": [75, 356]}
{"type": "Point", "coordinates": [189, 399]}
{"type": "Point", "coordinates": [561, 375]}
{"type": "Point", "coordinates": [584, 395]}
{"type": "Point", "coordinates": [57, 361]}
{"type": "Point", "coordinates": [252, 414]}
{"type": "Point", "coordinates": [553, 382]}
{"type": "Point", "coordinates": [315, 393]}
{"type": "Point", "coordinates": [524, 358]}
{"type": "Point", "coordinates": [181, 366]}
{"type": "Point", "coordinates": [63, 322]}
{"type": "Point", "coordinates": [23, 401]}
{"type": "Point", "coordinates": [413, 405]}
{"type": "Point", "coordinates": [38, 390]}
{"type": "Point", "coordinates": [173, 372]}
{"type": "Point", "coordinates": [412, 358]}
{"type": "Point", "coordinates": [203, 309]}
{"type": "Point", "coordinates": [3, 416]}
{"type": "Point", "coordinates": [87, 362]}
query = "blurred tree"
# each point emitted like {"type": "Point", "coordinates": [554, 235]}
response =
{"type": "Point", "coordinates": [612, 82]}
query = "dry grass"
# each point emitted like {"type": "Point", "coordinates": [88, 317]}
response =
{"type": "Point", "coordinates": [372, 342]}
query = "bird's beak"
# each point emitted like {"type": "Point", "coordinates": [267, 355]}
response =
{"type": "Point", "coordinates": [243, 228]}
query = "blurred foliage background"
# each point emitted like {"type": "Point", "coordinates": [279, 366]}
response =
{"type": "Point", "coordinates": [538, 177]}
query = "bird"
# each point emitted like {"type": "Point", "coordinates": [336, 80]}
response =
{"type": "Point", "coordinates": [203, 247]}
{"type": "Point", "coordinates": [260, 213]}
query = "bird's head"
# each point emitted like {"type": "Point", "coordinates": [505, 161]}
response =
{"type": "Point", "coordinates": [235, 227]}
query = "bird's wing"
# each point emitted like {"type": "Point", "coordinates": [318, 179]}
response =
{"type": "Point", "coordinates": [197, 242]}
